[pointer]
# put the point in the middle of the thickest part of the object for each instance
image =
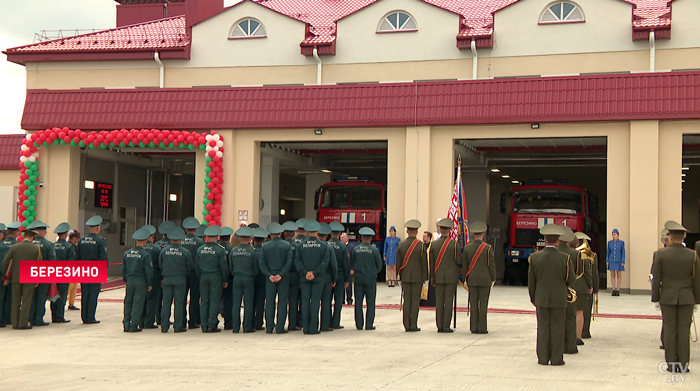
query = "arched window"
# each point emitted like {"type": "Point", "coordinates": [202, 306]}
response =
{"type": "Point", "coordinates": [562, 12]}
{"type": "Point", "coordinates": [248, 28]}
{"type": "Point", "coordinates": [397, 21]}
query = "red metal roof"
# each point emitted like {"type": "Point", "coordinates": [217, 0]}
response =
{"type": "Point", "coordinates": [476, 18]}
{"type": "Point", "coordinates": [162, 35]}
{"type": "Point", "coordinates": [651, 15]}
{"type": "Point", "coordinates": [672, 95]}
{"type": "Point", "coordinates": [9, 151]}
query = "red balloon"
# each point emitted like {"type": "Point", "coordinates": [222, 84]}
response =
{"type": "Point", "coordinates": [211, 185]}
{"type": "Point", "coordinates": [96, 143]}
{"type": "Point", "coordinates": [130, 136]}
{"type": "Point", "coordinates": [202, 140]}
{"type": "Point", "coordinates": [220, 174]}
{"type": "Point", "coordinates": [216, 160]}
{"type": "Point", "coordinates": [62, 135]}
{"type": "Point", "coordinates": [139, 137]}
{"type": "Point", "coordinates": [71, 133]}
{"type": "Point", "coordinates": [195, 144]}
{"type": "Point", "coordinates": [24, 187]}
{"type": "Point", "coordinates": [161, 137]}
{"type": "Point", "coordinates": [210, 196]}
{"type": "Point", "coordinates": [212, 143]}
{"type": "Point", "coordinates": [211, 175]}
{"type": "Point", "coordinates": [211, 164]}
{"type": "Point", "coordinates": [76, 139]}
{"type": "Point", "coordinates": [181, 138]}
{"type": "Point", "coordinates": [90, 139]}
{"type": "Point", "coordinates": [171, 138]}
{"type": "Point", "coordinates": [212, 154]}
{"type": "Point", "coordinates": [216, 191]}
{"type": "Point", "coordinates": [23, 177]}
{"type": "Point", "coordinates": [190, 140]}
{"type": "Point", "coordinates": [176, 143]}
{"type": "Point", "coordinates": [166, 142]}
{"type": "Point", "coordinates": [150, 136]}
{"type": "Point", "coordinates": [67, 139]}
{"type": "Point", "coordinates": [100, 139]}
{"type": "Point", "coordinates": [23, 198]}
{"type": "Point", "coordinates": [215, 180]}
{"type": "Point", "coordinates": [109, 138]}
{"type": "Point", "coordinates": [217, 206]}
{"type": "Point", "coordinates": [208, 218]}
{"type": "Point", "coordinates": [210, 206]}
{"type": "Point", "coordinates": [35, 137]}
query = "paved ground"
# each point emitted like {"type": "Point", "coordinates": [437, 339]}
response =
{"type": "Point", "coordinates": [623, 354]}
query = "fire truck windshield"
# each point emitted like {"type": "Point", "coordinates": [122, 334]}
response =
{"type": "Point", "coordinates": [547, 201]}
{"type": "Point", "coordinates": [355, 197]}
{"type": "Point", "coordinates": [336, 197]}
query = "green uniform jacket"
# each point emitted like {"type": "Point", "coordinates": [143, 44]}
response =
{"type": "Point", "coordinates": [675, 279]}
{"type": "Point", "coordinates": [226, 247]}
{"type": "Point", "coordinates": [164, 242]}
{"type": "Point", "coordinates": [366, 261]}
{"type": "Point", "coordinates": [548, 279]}
{"type": "Point", "coordinates": [299, 239]}
{"type": "Point", "coordinates": [4, 248]}
{"type": "Point", "coordinates": [154, 250]}
{"type": "Point", "coordinates": [175, 261]}
{"type": "Point", "coordinates": [448, 272]}
{"type": "Point", "coordinates": [137, 264]}
{"type": "Point", "coordinates": [312, 255]}
{"type": "Point", "coordinates": [22, 251]}
{"type": "Point", "coordinates": [342, 258]}
{"type": "Point", "coordinates": [65, 250]}
{"type": "Point", "coordinates": [192, 243]}
{"type": "Point", "coordinates": [594, 273]}
{"type": "Point", "coordinates": [211, 258]}
{"type": "Point", "coordinates": [293, 242]}
{"type": "Point", "coordinates": [243, 261]}
{"type": "Point", "coordinates": [276, 257]}
{"type": "Point", "coordinates": [416, 269]}
{"type": "Point", "coordinates": [48, 253]}
{"type": "Point", "coordinates": [332, 269]}
{"type": "Point", "coordinates": [92, 247]}
{"type": "Point", "coordinates": [484, 271]}
{"type": "Point", "coordinates": [582, 283]}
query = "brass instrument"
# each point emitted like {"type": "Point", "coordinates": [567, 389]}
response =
{"type": "Point", "coordinates": [571, 295]}
{"type": "Point", "coordinates": [594, 313]}
{"type": "Point", "coordinates": [588, 254]}
{"type": "Point", "coordinates": [695, 328]}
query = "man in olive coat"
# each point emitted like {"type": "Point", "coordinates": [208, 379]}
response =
{"type": "Point", "coordinates": [212, 268]}
{"type": "Point", "coordinates": [137, 273]}
{"type": "Point", "coordinates": [479, 269]}
{"type": "Point", "coordinates": [366, 264]}
{"type": "Point", "coordinates": [175, 263]}
{"type": "Point", "coordinates": [676, 287]}
{"type": "Point", "coordinates": [570, 341]}
{"type": "Point", "coordinates": [548, 277]}
{"type": "Point", "coordinates": [48, 253]}
{"type": "Point", "coordinates": [445, 268]}
{"type": "Point", "coordinates": [413, 272]}
{"type": "Point", "coordinates": [21, 293]}
{"type": "Point", "coordinates": [276, 259]}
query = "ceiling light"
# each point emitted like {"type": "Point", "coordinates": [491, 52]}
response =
{"type": "Point", "coordinates": [283, 212]}
{"type": "Point", "coordinates": [535, 126]}
{"type": "Point", "coordinates": [685, 168]}
{"type": "Point", "coordinates": [682, 174]}
{"type": "Point", "coordinates": [517, 182]}
{"type": "Point", "coordinates": [326, 171]}
{"type": "Point", "coordinates": [495, 170]}
{"type": "Point", "coordinates": [173, 197]}
{"type": "Point", "coordinates": [505, 176]}
{"type": "Point", "coordinates": [89, 184]}
{"type": "Point", "coordinates": [318, 132]}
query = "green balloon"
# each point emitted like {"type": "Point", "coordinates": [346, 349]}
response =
{"type": "Point", "coordinates": [32, 197]}
{"type": "Point", "coordinates": [205, 212]}
{"type": "Point", "coordinates": [32, 178]}
{"type": "Point", "coordinates": [27, 203]}
{"type": "Point", "coordinates": [152, 144]}
{"type": "Point", "coordinates": [31, 208]}
{"type": "Point", "coordinates": [36, 164]}
{"type": "Point", "coordinates": [28, 164]}
{"type": "Point", "coordinates": [207, 179]}
{"type": "Point", "coordinates": [131, 144]}
{"type": "Point", "coordinates": [103, 146]}
{"type": "Point", "coordinates": [46, 143]}
{"type": "Point", "coordinates": [25, 213]}
{"type": "Point", "coordinates": [82, 144]}
{"type": "Point", "coordinates": [27, 192]}
{"type": "Point", "coordinates": [57, 142]}
{"type": "Point", "coordinates": [25, 223]}
{"type": "Point", "coordinates": [190, 147]}
{"type": "Point", "coordinates": [30, 219]}
{"type": "Point", "coordinates": [142, 144]}
{"type": "Point", "coordinates": [27, 182]}
{"type": "Point", "coordinates": [32, 187]}
{"type": "Point", "coordinates": [73, 144]}
{"type": "Point", "coordinates": [29, 172]}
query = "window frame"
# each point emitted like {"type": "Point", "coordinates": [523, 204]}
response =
{"type": "Point", "coordinates": [247, 18]}
{"type": "Point", "coordinates": [546, 9]}
{"type": "Point", "coordinates": [383, 18]}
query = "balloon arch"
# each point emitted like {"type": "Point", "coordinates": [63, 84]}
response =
{"type": "Point", "coordinates": [212, 143]}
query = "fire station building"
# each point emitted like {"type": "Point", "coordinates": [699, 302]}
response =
{"type": "Point", "coordinates": [601, 94]}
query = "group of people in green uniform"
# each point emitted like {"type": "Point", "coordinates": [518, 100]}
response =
{"type": "Point", "coordinates": [24, 305]}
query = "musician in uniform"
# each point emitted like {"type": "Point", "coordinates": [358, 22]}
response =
{"type": "Point", "coordinates": [676, 287]}
{"type": "Point", "coordinates": [549, 275]}
{"type": "Point", "coordinates": [413, 272]}
{"type": "Point", "coordinates": [583, 286]}
{"type": "Point", "coordinates": [591, 259]}
{"type": "Point", "coordinates": [21, 293]}
{"type": "Point", "coordinates": [444, 266]}
{"type": "Point", "coordinates": [480, 275]}
{"type": "Point", "coordinates": [570, 341]}
{"type": "Point", "coordinates": [227, 293]}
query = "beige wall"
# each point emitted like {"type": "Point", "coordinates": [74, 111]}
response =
{"type": "Point", "coordinates": [10, 177]}
{"type": "Point", "coordinates": [59, 197]}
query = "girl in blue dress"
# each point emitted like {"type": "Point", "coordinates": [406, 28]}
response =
{"type": "Point", "coordinates": [615, 260]}
{"type": "Point", "coordinates": [390, 245]}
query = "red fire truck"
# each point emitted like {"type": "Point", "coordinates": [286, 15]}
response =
{"type": "Point", "coordinates": [355, 202]}
{"type": "Point", "coordinates": [536, 204]}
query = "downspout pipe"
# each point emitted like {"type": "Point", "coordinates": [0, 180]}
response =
{"type": "Point", "coordinates": [319, 70]}
{"type": "Point", "coordinates": [652, 51]}
{"type": "Point", "coordinates": [156, 57]}
{"type": "Point", "coordinates": [475, 60]}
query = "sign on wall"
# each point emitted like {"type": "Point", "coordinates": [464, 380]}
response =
{"type": "Point", "coordinates": [103, 195]}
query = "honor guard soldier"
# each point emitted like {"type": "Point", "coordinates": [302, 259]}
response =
{"type": "Point", "coordinates": [243, 264]}
{"type": "Point", "coordinates": [276, 259]}
{"type": "Point", "coordinates": [591, 258]}
{"type": "Point", "coordinates": [570, 341]}
{"type": "Point", "coordinates": [212, 268]}
{"type": "Point", "coordinates": [191, 242]}
{"type": "Point", "coordinates": [154, 297]}
{"type": "Point", "coordinates": [12, 231]}
{"type": "Point", "coordinates": [676, 287]}
{"type": "Point", "coordinates": [22, 294]}
{"type": "Point", "coordinates": [65, 251]}
{"type": "Point", "coordinates": [175, 264]}
{"type": "Point", "coordinates": [227, 293]}
{"type": "Point", "coordinates": [366, 264]}
{"type": "Point", "coordinates": [91, 247]}
{"type": "Point", "coordinates": [329, 280]}
{"type": "Point", "coordinates": [137, 272]}
{"type": "Point", "coordinates": [343, 279]}
{"type": "Point", "coordinates": [444, 264]}
{"type": "Point", "coordinates": [259, 236]}
{"type": "Point", "coordinates": [36, 315]}
{"type": "Point", "coordinates": [583, 286]}
{"type": "Point", "coordinates": [290, 230]}
{"type": "Point", "coordinates": [413, 272]}
{"type": "Point", "coordinates": [480, 276]}
{"type": "Point", "coordinates": [549, 276]}
{"type": "Point", "coordinates": [311, 261]}
{"type": "Point", "coordinates": [163, 229]}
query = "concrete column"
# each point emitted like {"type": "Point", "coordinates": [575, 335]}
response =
{"type": "Point", "coordinates": [228, 212]}
{"type": "Point", "coordinates": [246, 177]}
{"type": "Point", "coordinates": [313, 182]}
{"type": "Point", "coordinates": [418, 176]}
{"type": "Point", "coordinates": [618, 205]}
{"type": "Point", "coordinates": [396, 184]}
{"type": "Point", "coordinates": [59, 197]}
{"type": "Point", "coordinates": [670, 163]}
{"type": "Point", "coordinates": [643, 205]}
{"type": "Point", "coordinates": [442, 164]}
{"type": "Point", "coordinates": [199, 185]}
{"type": "Point", "coordinates": [476, 189]}
{"type": "Point", "coordinates": [270, 190]}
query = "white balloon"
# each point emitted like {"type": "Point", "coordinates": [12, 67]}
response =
{"type": "Point", "coordinates": [216, 137]}
{"type": "Point", "coordinates": [219, 154]}
{"type": "Point", "coordinates": [208, 137]}
{"type": "Point", "coordinates": [220, 144]}
{"type": "Point", "coordinates": [24, 147]}
{"type": "Point", "coordinates": [22, 159]}
{"type": "Point", "coordinates": [215, 149]}
{"type": "Point", "coordinates": [32, 159]}
{"type": "Point", "coordinates": [36, 154]}
{"type": "Point", "coordinates": [29, 137]}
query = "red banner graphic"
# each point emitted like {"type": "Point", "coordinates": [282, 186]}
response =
{"type": "Point", "coordinates": [61, 272]}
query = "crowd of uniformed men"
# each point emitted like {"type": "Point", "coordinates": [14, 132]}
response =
{"type": "Point", "coordinates": [292, 274]}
